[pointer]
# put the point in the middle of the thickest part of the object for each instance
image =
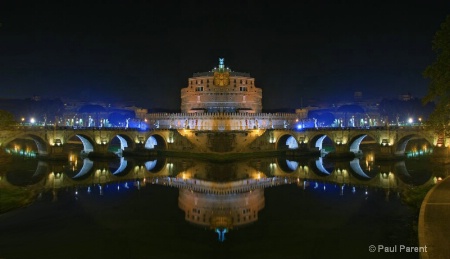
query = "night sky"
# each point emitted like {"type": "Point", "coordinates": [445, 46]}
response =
{"type": "Point", "coordinates": [143, 52]}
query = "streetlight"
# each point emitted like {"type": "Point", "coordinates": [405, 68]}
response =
{"type": "Point", "coordinates": [410, 121]}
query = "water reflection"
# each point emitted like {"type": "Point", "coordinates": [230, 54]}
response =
{"type": "Point", "coordinates": [218, 196]}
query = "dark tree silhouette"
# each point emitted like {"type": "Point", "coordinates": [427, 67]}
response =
{"type": "Point", "coordinates": [6, 119]}
{"type": "Point", "coordinates": [439, 74]}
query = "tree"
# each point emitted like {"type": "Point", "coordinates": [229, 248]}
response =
{"type": "Point", "coordinates": [439, 74]}
{"type": "Point", "coordinates": [6, 119]}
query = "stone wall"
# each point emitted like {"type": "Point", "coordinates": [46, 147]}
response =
{"type": "Point", "coordinates": [221, 121]}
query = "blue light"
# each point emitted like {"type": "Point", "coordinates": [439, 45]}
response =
{"type": "Point", "coordinates": [221, 234]}
{"type": "Point", "coordinates": [299, 127]}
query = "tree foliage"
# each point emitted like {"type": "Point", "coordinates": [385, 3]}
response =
{"type": "Point", "coordinates": [6, 119]}
{"type": "Point", "coordinates": [439, 74]}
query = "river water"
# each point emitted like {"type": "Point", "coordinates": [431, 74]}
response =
{"type": "Point", "coordinates": [180, 208]}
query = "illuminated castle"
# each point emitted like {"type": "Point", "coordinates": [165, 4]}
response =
{"type": "Point", "coordinates": [221, 90]}
{"type": "Point", "coordinates": [221, 100]}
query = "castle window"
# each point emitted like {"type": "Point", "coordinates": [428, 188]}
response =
{"type": "Point", "coordinates": [243, 89]}
{"type": "Point", "coordinates": [199, 89]}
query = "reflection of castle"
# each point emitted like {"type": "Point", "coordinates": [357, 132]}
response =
{"type": "Point", "coordinates": [222, 206]}
{"type": "Point", "coordinates": [221, 99]}
{"type": "Point", "coordinates": [221, 211]}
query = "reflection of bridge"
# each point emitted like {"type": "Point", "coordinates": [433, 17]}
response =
{"type": "Point", "coordinates": [392, 141]}
{"type": "Point", "coordinates": [252, 175]}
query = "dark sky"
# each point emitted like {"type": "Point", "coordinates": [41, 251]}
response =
{"type": "Point", "coordinates": [144, 51]}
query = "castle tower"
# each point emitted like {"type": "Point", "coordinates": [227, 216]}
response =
{"type": "Point", "coordinates": [221, 90]}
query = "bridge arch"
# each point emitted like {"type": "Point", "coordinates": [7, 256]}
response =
{"type": "Point", "coordinates": [88, 143]}
{"type": "Point", "coordinates": [403, 142]}
{"type": "Point", "coordinates": [124, 140]}
{"type": "Point", "coordinates": [317, 141]}
{"type": "Point", "coordinates": [41, 144]}
{"type": "Point", "coordinates": [355, 141]}
{"type": "Point", "coordinates": [155, 141]}
{"type": "Point", "coordinates": [287, 141]}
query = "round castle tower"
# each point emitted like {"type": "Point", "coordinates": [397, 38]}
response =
{"type": "Point", "coordinates": [221, 100]}
{"type": "Point", "coordinates": [221, 90]}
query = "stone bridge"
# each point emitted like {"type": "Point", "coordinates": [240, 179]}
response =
{"type": "Point", "coordinates": [51, 140]}
{"type": "Point", "coordinates": [391, 140]}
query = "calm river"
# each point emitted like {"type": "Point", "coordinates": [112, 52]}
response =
{"type": "Point", "coordinates": [179, 208]}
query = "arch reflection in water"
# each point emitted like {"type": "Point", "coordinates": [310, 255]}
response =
{"type": "Point", "coordinates": [321, 167]}
{"type": "Point", "coordinates": [354, 164]}
{"type": "Point", "coordinates": [87, 166]}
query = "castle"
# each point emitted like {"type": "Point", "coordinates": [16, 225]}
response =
{"type": "Point", "coordinates": [221, 100]}
{"type": "Point", "coordinates": [221, 90]}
